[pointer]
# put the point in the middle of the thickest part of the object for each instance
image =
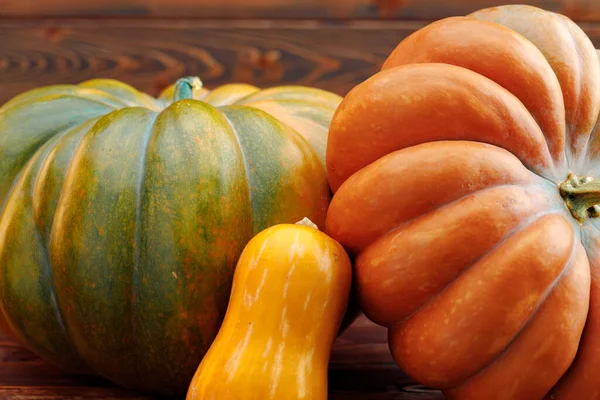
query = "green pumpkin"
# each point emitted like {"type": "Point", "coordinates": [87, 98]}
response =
{"type": "Point", "coordinates": [122, 215]}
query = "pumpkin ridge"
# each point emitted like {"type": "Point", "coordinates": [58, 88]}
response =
{"type": "Point", "coordinates": [446, 205]}
{"type": "Point", "coordinates": [54, 143]}
{"type": "Point", "coordinates": [110, 96]}
{"type": "Point", "coordinates": [277, 94]}
{"type": "Point", "coordinates": [284, 137]}
{"type": "Point", "coordinates": [588, 154]}
{"type": "Point", "coordinates": [487, 112]}
{"type": "Point", "coordinates": [568, 264]}
{"type": "Point", "coordinates": [135, 279]}
{"type": "Point", "coordinates": [440, 42]}
{"type": "Point", "coordinates": [122, 91]}
{"type": "Point", "coordinates": [424, 158]}
{"type": "Point", "coordinates": [236, 136]}
{"type": "Point", "coordinates": [522, 226]}
{"type": "Point", "coordinates": [29, 144]}
{"type": "Point", "coordinates": [44, 241]}
{"type": "Point", "coordinates": [24, 186]}
{"type": "Point", "coordinates": [578, 78]}
{"type": "Point", "coordinates": [403, 333]}
{"type": "Point", "coordinates": [560, 37]}
{"type": "Point", "coordinates": [33, 94]}
{"type": "Point", "coordinates": [371, 263]}
{"type": "Point", "coordinates": [279, 109]}
{"type": "Point", "coordinates": [63, 249]}
{"type": "Point", "coordinates": [85, 93]}
{"type": "Point", "coordinates": [46, 267]}
{"type": "Point", "coordinates": [52, 97]}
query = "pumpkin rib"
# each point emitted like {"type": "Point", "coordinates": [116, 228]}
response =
{"type": "Point", "coordinates": [136, 266]}
{"type": "Point", "coordinates": [40, 181]}
{"type": "Point", "coordinates": [574, 30]}
{"type": "Point", "coordinates": [28, 143]}
{"type": "Point", "coordinates": [563, 43]}
{"type": "Point", "coordinates": [82, 316]}
{"type": "Point", "coordinates": [93, 92]}
{"type": "Point", "coordinates": [245, 161]}
{"type": "Point", "coordinates": [535, 353]}
{"type": "Point", "coordinates": [468, 107]}
{"type": "Point", "coordinates": [291, 92]}
{"type": "Point", "coordinates": [375, 263]}
{"type": "Point", "coordinates": [196, 220]}
{"type": "Point", "coordinates": [551, 288]}
{"type": "Point", "coordinates": [311, 129]}
{"type": "Point", "coordinates": [591, 152]}
{"type": "Point", "coordinates": [63, 90]}
{"type": "Point", "coordinates": [444, 206]}
{"type": "Point", "coordinates": [580, 380]}
{"type": "Point", "coordinates": [230, 94]}
{"type": "Point", "coordinates": [36, 210]}
{"type": "Point", "coordinates": [419, 165]}
{"type": "Point", "coordinates": [519, 228]}
{"type": "Point", "coordinates": [36, 195]}
{"type": "Point", "coordinates": [123, 91]}
{"type": "Point", "coordinates": [323, 108]}
{"type": "Point", "coordinates": [24, 185]}
{"type": "Point", "coordinates": [530, 78]}
{"type": "Point", "coordinates": [406, 331]}
{"type": "Point", "coordinates": [285, 139]}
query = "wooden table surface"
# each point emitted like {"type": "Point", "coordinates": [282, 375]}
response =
{"type": "Point", "coordinates": [361, 368]}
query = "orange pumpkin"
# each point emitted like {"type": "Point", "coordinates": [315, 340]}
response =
{"type": "Point", "coordinates": [467, 177]}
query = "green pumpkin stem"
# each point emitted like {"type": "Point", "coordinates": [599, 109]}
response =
{"type": "Point", "coordinates": [582, 196]}
{"type": "Point", "coordinates": [184, 88]}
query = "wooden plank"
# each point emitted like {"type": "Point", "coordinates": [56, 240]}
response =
{"type": "Point", "coordinates": [361, 367]}
{"type": "Point", "coordinates": [581, 10]}
{"type": "Point", "coordinates": [152, 54]}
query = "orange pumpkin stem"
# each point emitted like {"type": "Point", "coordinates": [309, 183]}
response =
{"type": "Point", "coordinates": [184, 88]}
{"type": "Point", "coordinates": [582, 196]}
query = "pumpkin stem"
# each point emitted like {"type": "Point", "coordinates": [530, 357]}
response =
{"type": "Point", "coordinates": [307, 222]}
{"type": "Point", "coordinates": [582, 196]}
{"type": "Point", "coordinates": [184, 88]}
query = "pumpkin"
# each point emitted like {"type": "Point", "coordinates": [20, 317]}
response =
{"type": "Point", "coordinates": [123, 215]}
{"type": "Point", "coordinates": [290, 291]}
{"type": "Point", "coordinates": [467, 181]}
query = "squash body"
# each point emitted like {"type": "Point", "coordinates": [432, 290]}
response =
{"type": "Point", "coordinates": [122, 216]}
{"type": "Point", "coordinates": [290, 292]}
{"type": "Point", "coordinates": [458, 173]}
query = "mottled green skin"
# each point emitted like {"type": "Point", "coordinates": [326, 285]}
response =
{"type": "Point", "coordinates": [122, 216]}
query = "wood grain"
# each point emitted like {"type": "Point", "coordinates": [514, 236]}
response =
{"type": "Point", "coordinates": [581, 10]}
{"type": "Point", "coordinates": [152, 54]}
{"type": "Point", "coordinates": [361, 368]}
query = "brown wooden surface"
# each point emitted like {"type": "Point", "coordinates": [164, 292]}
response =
{"type": "Point", "coordinates": [150, 54]}
{"type": "Point", "coordinates": [361, 368]}
{"type": "Point", "coordinates": [336, 9]}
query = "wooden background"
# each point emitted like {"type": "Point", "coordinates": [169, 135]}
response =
{"type": "Point", "coordinates": [332, 44]}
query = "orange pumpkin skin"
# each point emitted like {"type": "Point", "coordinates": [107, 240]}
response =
{"type": "Point", "coordinates": [456, 177]}
{"type": "Point", "coordinates": [290, 291]}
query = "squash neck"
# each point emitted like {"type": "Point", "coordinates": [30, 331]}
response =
{"type": "Point", "coordinates": [581, 196]}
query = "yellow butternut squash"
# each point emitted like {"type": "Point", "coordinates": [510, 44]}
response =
{"type": "Point", "coordinates": [290, 291]}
